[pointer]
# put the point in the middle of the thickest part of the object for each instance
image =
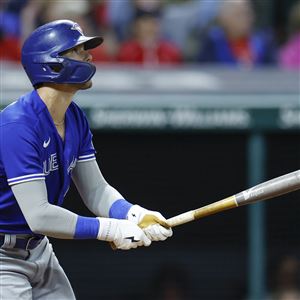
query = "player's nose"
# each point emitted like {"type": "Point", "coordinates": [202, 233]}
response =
{"type": "Point", "coordinates": [89, 57]}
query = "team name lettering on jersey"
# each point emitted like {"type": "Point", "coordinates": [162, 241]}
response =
{"type": "Point", "coordinates": [51, 164]}
{"type": "Point", "coordinates": [72, 165]}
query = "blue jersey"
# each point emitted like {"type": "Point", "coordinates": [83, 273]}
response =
{"type": "Point", "coordinates": [31, 149]}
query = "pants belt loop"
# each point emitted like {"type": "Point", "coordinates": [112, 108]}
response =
{"type": "Point", "coordinates": [9, 241]}
{"type": "Point", "coordinates": [13, 240]}
{"type": "Point", "coordinates": [28, 243]}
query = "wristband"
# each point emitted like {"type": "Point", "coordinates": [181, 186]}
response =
{"type": "Point", "coordinates": [86, 228]}
{"type": "Point", "coordinates": [119, 209]}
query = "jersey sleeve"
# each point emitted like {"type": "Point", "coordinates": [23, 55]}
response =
{"type": "Point", "coordinates": [21, 155]}
{"type": "Point", "coordinates": [87, 150]}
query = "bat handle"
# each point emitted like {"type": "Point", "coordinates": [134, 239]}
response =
{"type": "Point", "coordinates": [204, 211]}
{"type": "Point", "coordinates": [182, 218]}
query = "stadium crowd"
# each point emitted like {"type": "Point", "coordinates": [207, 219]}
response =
{"type": "Point", "coordinates": [156, 32]}
{"type": "Point", "coordinates": [152, 32]}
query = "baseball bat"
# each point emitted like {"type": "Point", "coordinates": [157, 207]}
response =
{"type": "Point", "coordinates": [269, 189]}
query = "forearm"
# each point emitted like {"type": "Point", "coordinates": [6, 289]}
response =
{"type": "Point", "coordinates": [47, 219]}
{"type": "Point", "coordinates": [104, 200]}
{"type": "Point", "coordinates": [100, 197]}
{"type": "Point", "coordinates": [52, 221]}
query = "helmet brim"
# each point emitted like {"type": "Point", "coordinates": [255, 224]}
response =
{"type": "Point", "coordinates": [90, 42]}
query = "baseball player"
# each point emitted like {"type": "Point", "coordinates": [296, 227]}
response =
{"type": "Point", "coordinates": [45, 143]}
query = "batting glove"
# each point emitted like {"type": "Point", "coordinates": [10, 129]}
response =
{"type": "Point", "coordinates": [152, 222]}
{"type": "Point", "coordinates": [122, 234]}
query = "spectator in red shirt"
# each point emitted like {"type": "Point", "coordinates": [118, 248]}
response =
{"type": "Point", "coordinates": [103, 27]}
{"type": "Point", "coordinates": [9, 48]}
{"type": "Point", "coordinates": [146, 47]}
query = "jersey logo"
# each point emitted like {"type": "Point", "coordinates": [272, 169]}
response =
{"type": "Point", "coordinates": [46, 143]}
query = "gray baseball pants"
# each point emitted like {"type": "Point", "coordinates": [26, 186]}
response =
{"type": "Point", "coordinates": [33, 274]}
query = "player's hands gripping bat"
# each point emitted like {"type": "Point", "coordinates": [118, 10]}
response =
{"type": "Point", "coordinates": [122, 234]}
{"type": "Point", "coordinates": [269, 189]}
{"type": "Point", "coordinates": [153, 223]}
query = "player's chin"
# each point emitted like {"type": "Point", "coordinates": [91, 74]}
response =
{"type": "Point", "coordinates": [86, 85]}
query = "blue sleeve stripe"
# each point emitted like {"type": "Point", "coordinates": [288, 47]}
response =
{"type": "Point", "coordinates": [87, 159]}
{"type": "Point", "coordinates": [26, 176]}
{"type": "Point", "coordinates": [119, 209]}
{"type": "Point", "coordinates": [12, 182]}
{"type": "Point", "coordinates": [86, 228]}
{"type": "Point", "coordinates": [86, 156]}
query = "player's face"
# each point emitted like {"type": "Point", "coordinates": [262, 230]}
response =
{"type": "Point", "coordinates": [80, 54]}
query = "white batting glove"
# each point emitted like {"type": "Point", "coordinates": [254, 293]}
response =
{"type": "Point", "coordinates": [122, 233]}
{"type": "Point", "coordinates": [152, 222]}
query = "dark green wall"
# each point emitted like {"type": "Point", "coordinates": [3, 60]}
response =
{"type": "Point", "coordinates": [173, 173]}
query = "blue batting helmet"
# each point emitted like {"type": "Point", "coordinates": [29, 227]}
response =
{"type": "Point", "coordinates": [42, 59]}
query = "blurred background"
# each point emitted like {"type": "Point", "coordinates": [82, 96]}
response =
{"type": "Point", "coordinates": [193, 101]}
